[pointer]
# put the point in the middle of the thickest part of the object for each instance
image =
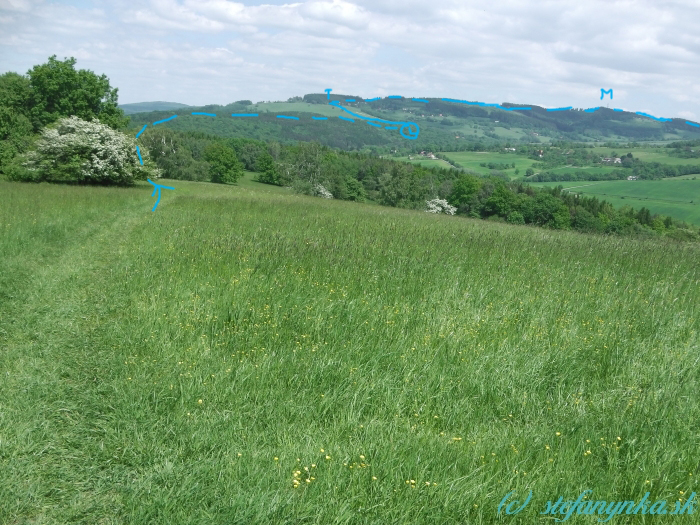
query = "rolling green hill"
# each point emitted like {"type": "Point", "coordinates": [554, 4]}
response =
{"type": "Point", "coordinates": [444, 126]}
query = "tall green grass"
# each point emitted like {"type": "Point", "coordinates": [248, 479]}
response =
{"type": "Point", "coordinates": [189, 365]}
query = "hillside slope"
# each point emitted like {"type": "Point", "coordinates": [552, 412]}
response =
{"type": "Point", "coordinates": [444, 126]}
{"type": "Point", "coordinates": [240, 356]}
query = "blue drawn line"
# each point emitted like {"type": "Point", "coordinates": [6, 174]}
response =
{"type": "Point", "coordinates": [412, 135]}
{"type": "Point", "coordinates": [660, 119]}
{"type": "Point", "coordinates": [166, 120]}
{"type": "Point", "coordinates": [484, 104]}
{"type": "Point", "coordinates": [157, 187]}
{"type": "Point", "coordinates": [458, 101]}
{"type": "Point", "coordinates": [406, 130]}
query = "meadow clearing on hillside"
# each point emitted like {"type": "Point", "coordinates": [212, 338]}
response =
{"type": "Point", "coordinates": [676, 197]}
{"type": "Point", "coordinates": [246, 355]}
{"type": "Point", "coordinates": [472, 160]}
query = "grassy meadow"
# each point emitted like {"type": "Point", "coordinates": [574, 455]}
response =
{"type": "Point", "coordinates": [678, 197]}
{"type": "Point", "coordinates": [647, 154]}
{"type": "Point", "coordinates": [245, 355]}
{"type": "Point", "coordinates": [472, 159]}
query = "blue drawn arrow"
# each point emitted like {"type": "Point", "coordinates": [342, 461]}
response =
{"type": "Point", "coordinates": [157, 187]}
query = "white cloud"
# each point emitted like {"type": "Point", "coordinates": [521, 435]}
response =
{"type": "Point", "coordinates": [207, 51]}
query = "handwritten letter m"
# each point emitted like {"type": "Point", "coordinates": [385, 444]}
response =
{"type": "Point", "coordinates": [603, 92]}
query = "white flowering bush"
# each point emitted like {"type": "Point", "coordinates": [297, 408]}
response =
{"type": "Point", "coordinates": [75, 150]}
{"type": "Point", "coordinates": [321, 191]}
{"type": "Point", "coordinates": [440, 206]}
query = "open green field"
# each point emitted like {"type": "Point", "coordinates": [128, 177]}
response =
{"type": "Point", "coordinates": [677, 197]}
{"type": "Point", "coordinates": [647, 154]}
{"type": "Point", "coordinates": [597, 170]}
{"type": "Point", "coordinates": [472, 159]}
{"type": "Point", "coordinates": [431, 163]}
{"type": "Point", "coordinates": [244, 355]}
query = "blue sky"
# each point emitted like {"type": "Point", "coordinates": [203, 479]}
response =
{"type": "Point", "coordinates": [549, 53]}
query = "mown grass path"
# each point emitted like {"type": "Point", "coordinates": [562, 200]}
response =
{"type": "Point", "coordinates": [248, 356]}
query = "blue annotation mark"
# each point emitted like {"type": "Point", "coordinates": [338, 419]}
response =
{"type": "Point", "coordinates": [166, 120]}
{"type": "Point", "coordinates": [412, 135]}
{"type": "Point", "coordinates": [481, 104]}
{"type": "Point", "coordinates": [660, 119]}
{"type": "Point", "coordinates": [403, 126]}
{"type": "Point", "coordinates": [157, 187]}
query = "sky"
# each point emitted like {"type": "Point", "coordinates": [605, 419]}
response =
{"type": "Point", "coordinates": [547, 53]}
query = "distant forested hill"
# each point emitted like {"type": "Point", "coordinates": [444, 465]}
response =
{"type": "Point", "coordinates": [143, 107]}
{"type": "Point", "coordinates": [444, 126]}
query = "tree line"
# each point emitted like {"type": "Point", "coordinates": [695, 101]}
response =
{"type": "Point", "coordinates": [59, 124]}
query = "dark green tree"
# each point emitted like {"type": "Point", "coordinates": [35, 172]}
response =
{"type": "Point", "coordinates": [15, 127]}
{"type": "Point", "coordinates": [58, 90]}
{"type": "Point", "coordinates": [546, 210]}
{"type": "Point", "coordinates": [224, 166]}
{"type": "Point", "coordinates": [464, 192]}
{"type": "Point", "coordinates": [266, 169]}
{"type": "Point", "coordinates": [501, 202]}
